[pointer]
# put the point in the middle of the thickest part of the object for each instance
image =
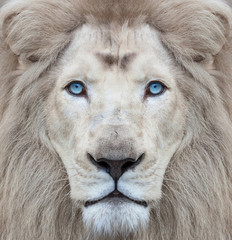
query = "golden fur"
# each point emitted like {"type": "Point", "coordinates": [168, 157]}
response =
{"type": "Point", "coordinates": [34, 188]}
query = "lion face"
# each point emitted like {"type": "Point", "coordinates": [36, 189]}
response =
{"type": "Point", "coordinates": [116, 117]}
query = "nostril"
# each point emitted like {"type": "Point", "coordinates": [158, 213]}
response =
{"type": "Point", "coordinates": [132, 163]}
{"type": "Point", "coordinates": [101, 164]}
{"type": "Point", "coordinates": [104, 166]}
{"type": "Point", "coordinates": [127, 165]}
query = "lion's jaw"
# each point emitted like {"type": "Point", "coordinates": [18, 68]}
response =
{"type": "Point", "coordinates": [115, 120]}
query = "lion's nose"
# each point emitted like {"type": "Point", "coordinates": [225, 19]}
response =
{"type": "Point", "coordinates": [116, 167]}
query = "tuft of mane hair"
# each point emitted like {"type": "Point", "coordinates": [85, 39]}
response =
{"type": "Point", "coordinates": [34, 188]}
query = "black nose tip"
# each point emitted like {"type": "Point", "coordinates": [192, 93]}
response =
{"type": "Point", "coordinates": [116, 167]}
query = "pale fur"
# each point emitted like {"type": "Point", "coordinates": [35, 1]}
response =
{"type": "Point", "coordinates": [34, 187]}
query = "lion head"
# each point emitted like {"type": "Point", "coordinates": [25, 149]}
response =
{"type": "Point", "coordinates": [115, 120]}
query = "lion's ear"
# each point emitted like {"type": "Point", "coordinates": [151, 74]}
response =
{"type": "Point", "coordinates": [193, 30]}
{"type": "Point", "coordinates": [37, 30]}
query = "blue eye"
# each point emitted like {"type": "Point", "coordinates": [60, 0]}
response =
{"type": "Point", "coordinates": [76, 88]}
{"type": "Point", "coordinates": [155, 88]}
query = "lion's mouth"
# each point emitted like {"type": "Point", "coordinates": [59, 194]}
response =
{"type": "Point", "coordinates": [117, 196]}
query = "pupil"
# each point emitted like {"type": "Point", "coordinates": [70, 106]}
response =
{"type": "Point", "coordinates": [155, 86]}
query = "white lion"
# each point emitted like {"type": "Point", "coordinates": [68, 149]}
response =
{"type": "Point", "coordinates": [115, 120]}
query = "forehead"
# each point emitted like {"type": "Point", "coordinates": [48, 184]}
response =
{"type": "Point", "coordinates": [137, 51]}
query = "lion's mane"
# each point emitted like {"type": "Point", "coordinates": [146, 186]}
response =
{"type": "Point", "coordinates": [34, 188]}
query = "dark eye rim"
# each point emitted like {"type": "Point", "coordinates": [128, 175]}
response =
{"type": "Point", "coordinates": [83, 93]}
{"type": "Point", "coordinates": [148, 92]}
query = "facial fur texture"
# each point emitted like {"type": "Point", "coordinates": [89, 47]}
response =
{"type": "Point", "coordinates": [116, 48]}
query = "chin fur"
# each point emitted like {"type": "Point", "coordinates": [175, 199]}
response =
{"type": "Point", "coordinates": [109, 219]}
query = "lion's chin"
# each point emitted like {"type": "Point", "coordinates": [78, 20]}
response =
{"type": "Point", "coordinates": [111, 218]}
